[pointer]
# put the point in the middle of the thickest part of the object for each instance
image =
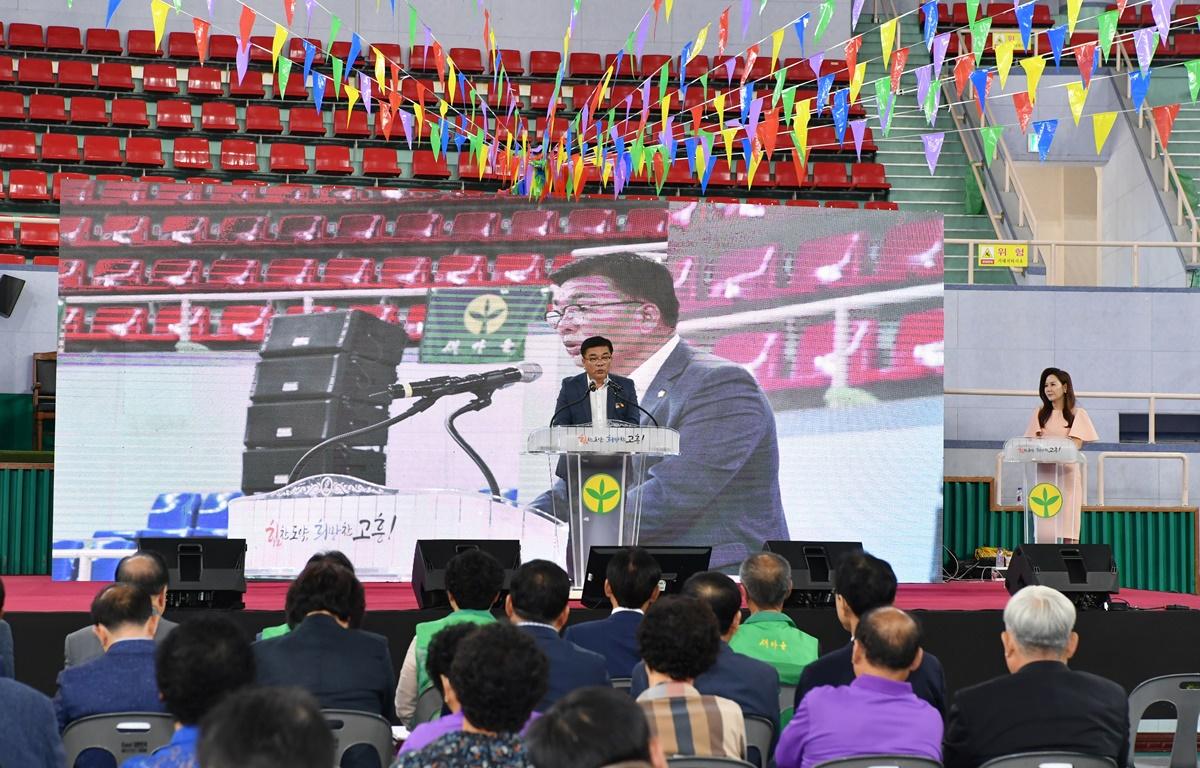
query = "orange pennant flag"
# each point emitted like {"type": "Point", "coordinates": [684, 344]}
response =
{"type": "Point", "coordinates": [201, 28]}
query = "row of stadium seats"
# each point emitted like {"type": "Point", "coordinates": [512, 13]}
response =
{"type": "Point", "coordinates": [235, 324]}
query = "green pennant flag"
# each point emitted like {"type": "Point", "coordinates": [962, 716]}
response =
{"type": "Point", "coordinates": [337, 76]}
{"type": "Point", "coordinates": [662, 83]}
{"type": "Point", "coordinates": [435, 137]}
{"type": "Point", "coordinates": [637, 152]}
{"type": "Point", "coordinates": [1193, 76]}
{"type": "Point", "coordinates": [704, 84]}
{"type": "Point", "coordinates": [335, 26]}
{"type": "Point", "coordinates": [285, 71]}
{"type": "Point", "coordinates": [658, 149]}
{"type": "Point", "coordinates": [979, 36]}
{"type": "Point", "coordinates": [883, 92]}
{"type": "Point", "coordinates": [991, 137]}
{"type": "Point", "coordinates": [412, 26]}
{"type": "Point", "coordinates": [823, 22]}
{"type": "Point", "coordinates": [612, 117]}
{"type": "Point", "coordinates": [779, 76]}
{"type": "Point", "coordinates": [575, 11]}
{"type": "Point", "coordinates": [789, 100]}
{"type": "Point", "coordinates": [972, 11]}
{"type": "Point", "coordinates": [628, 47]}
{"type": "Point", "coordinates": [931, 100]}
{"type": "Point", "coordinates": [1107, 24]}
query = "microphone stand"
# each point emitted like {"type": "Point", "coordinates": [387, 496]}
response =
{"type": "Point", "coordinates": [421, 405]}
{"type": "Point", "coordinates": [483, 398]}
{"type": "Point", "coordinates": [617, 391]}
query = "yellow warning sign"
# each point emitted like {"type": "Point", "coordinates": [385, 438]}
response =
{"type": "Point", "coordinates": [1002, 255]}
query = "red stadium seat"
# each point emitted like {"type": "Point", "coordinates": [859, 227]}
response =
{"type": "Point", "coordinates": [290, 272]}
{"type": "Point", "coordinates": [103, 42]}
{"type": "Point", "coordinates": [160, 78]}
{"type": "Point", "coordinates": [305, 121]}
{"type": "Point", "coordinates": [168, 323]}
{"type": "Point", "coordinates": [114, 273]}
{"type": "Point", "coordinates": [88, 110]}
{"type": "Point", "coordinates": [222, 47]}
{"type": "Point", "coordinates": [182, 45]}
{"type": "Point", "coordinates": [591, 221]}
{"type": "Point", "coordinates": [475, 225]}
{"type": "Point", "coordinates": [380, 161]}
{"type": "Point", "coordinates": [114, 76]}
{"type": "Point", "coordinates": [176, 273]}
{"type": "Point", "coordinates": [66, 39]}
{"type": "Point", "coordinates": [869, 176]}
{"type": "Point", "coordinates": [414, 322]}
{"type": "Point", "coordinates": [218, 117]}
{"type": "Point", "coordinates": [520, 268]}
{"type": "Point", "coordinates": [191, 153]}
{"type": "Point", "coordinates": [111, 323]}
{"type": "Point", "coordinates": [144, 150]}
{"type": "Point", "coordinates": [174, 115]}
{"type": "Point", "coordinates": [102, 149]}
{"type": "Point", "coordinates": [204, 81]}
{"type": "Point", "coordinates": [647, 222]}
{"type": "Point", "coordinates": [426, 167]}
{"type": "Point", "coordinates": [7, 72]}
{"type": "Point", "coordinates": [140, 42]}
{"type": "Point", "coordinates": [540, 95]}
{"type": "Point", "coordinates": [881, 205]}
{"type": "Point", "coordinates": [76, 74]}
{"type": "Point", "coordinates": [349, 272]}
{"type": "Point", "coordinates": [239, 155]}
{"type": "Point", "coordinates": [129, 113]}
{"type": "Point", "coordinates": [12, 106]}
{"type": "Point", "coordinates": [748, 273]}
{"type": "Point", "coordinates": [47, 108]}
{"type": "Point", "coordinates": [26, 36]}
{"type": "Point", "coordinates": [843, 204]}
{"type": "Point", "coordinates": [584, 66]}
{"type": "Point", "coordinates": [759, 353]}
{"type": "Point", "coordinates": [361, 227]}
{"type": "Point", "coordinates": [461, 269]}
{"type": "Point", "coordinates": [263, 118]}
{"type": "Point", "coordinates": [184, 229]}
{"type": "Point", "coordinates": [251, 86]}
{"type": "Point", "coordinates": [8, 233]}
{"type": "Point", "coordinates": [417, 226]}
{"type": "Point", "coordinates": [628, 65]}
{"type": "Point", "coordinates": [80, 187]}
{"type": "Point", "coordinates": [406, 271]}
{"type": "Point", "coordinates": [43, 234]}
{"type": "Point", "coordinates": [34, 72]}
{"type": "Point", "coordinates": [260, 48]}
{"type": "Point", "coordinates": [71, 274]}
{"type": "Point", "coordinates": [390, 51]}
{"type": "Point", "coordinates": [288, 158]}
{"type": "Point", "coordinates": [355, 127]}
{"type": "Point", "coordinates": [235, 273]}
{"type": "Point", "coordinates": [469, 61]}
{"type": "Point", "coordinates": [239, 324]}
{"type": "Point", "coordinates": [18, 145]}
{"type": "Point", "coordinates": [651, 63]}
{"type": "Point", "coordinates": [125, 230]}
{"type": "Point", "coordinates": [830, 176]}
{"type": "Point", "coordinates": [511, 61]}
{"type": "Point", "coordinates": [385, 312]}
{"type": "Point", "coordinates": [532, 224]}
{"type": "Point", "coordinates": [544, 63]}
{"type": "Point", "coordinates": [27, 184]}
{"type": "Point", "coordinates": [296, 88]}
{"type": "Point", "coordinates": [301, 229]}
{"type": "Point", "coordinates": [334, 160]}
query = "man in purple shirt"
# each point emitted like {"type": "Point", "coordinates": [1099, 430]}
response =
{"type": "Point", "coordinates": [878, 713]}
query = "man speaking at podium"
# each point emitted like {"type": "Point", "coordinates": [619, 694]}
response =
{"type": "Point", "coordinates": [596, 396]}
{"type": "Point", "coordinates": [722, 490]}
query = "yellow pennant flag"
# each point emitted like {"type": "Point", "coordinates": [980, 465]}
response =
{"type": "Point", "coordinates": [451, 82]}
{"type": "Point", "coordinates": [566, 42]}
{"type": "Point", "coordinates": [608, 73]}
{"type": "Point", "coordinates": [887, 36]}
{"type": "Point", "coordinates": [701, 38]}
{"type": "Point", "coordinates": [719, 105]}
{"type": "Point", "coordinates": [1034, 66]}
{"type": "Point", "coordinates": [755, 161]}
{"type": "Point", "coordinates": [158, 11]}
{"type": "Point", "coordinates": [1073, 7]}
{"type": "Point", "coordinates": [701, 158]}
{"type": "Point", "coordinates": [776, 44]}
{"type": "Point", "coordinates": [664, 105]}
{"type": "Point", "coordinates": [856, 80]}
{"type": "Point", "coordinates": [379, 65]}
{"type": "Point", "coordinates": [670, 5]}
{"type": "Point", "coordinates": [800, 125]}
{"type": "Point", "coordinates": [1004, 59]}
{"type": "Point", "coordinates": [577, 176]}
{"type": "Point", "coordinates": [727, 135]}
{"type": "Point", "coordinates": [1076, 96]}
{"type": "Point", "coordinates": [443, 107]}
{"type": "Point", "coordinates": [1102, 123]}
{"type": "Point", "coordinates": [604, 174]}
{"type": "Point", "coordinates": [352, 94]}
{"type": "Point", "coordinates": [598, 154]}
{"type": "Point", "coordinates": [482, 161]}
{"type": "Point", "coordinates": [281, 34]}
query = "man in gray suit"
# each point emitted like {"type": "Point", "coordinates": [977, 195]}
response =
{"type": "Point", "coordinates": [723, 487]}
{"type": "Point", "coordinates": [143, 569]}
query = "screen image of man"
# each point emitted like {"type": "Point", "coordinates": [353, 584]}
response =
{"type": "Point", "coordinates": [596, 396]}
{"type": "Point", "coordinates": [722, 490]}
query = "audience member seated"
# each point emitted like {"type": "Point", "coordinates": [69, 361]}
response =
{"type": "Point", "coordinates": [473, 582]}
{"type": "Point", "coordinates": [8, 664]}
{"type": "Point", "coordinates": [877, 713]}
{"type": "Point", "coordinates": [497, 675]}
{"type": "Point", "coordinates": [862, 582]}
{"type": "Point", "coordinates": [198, 665]}
{"type": "Point", "coordinates": [594, 728]}
{"type": "Point", "coordinates": [28, 731]}
{"type": "Point", "coordinates": [631, 585]}
{"type": "Point", "coordinates": [122, 679]}
{"type": "Point", "coordinates": [344, 668]}
{"type": "Point", "coordinates": [679, 640]}
{"type": "Point", "coordinates": [333, 556]}
{"type": "Point", "coordinates": [537, 604]}
{"type": "Point", "coordinates": [145, 569]}
{"type": "Point", "coordinates": [261, 727]}
{"type": "Point", "coordinates": [751, 683]}
{"type": "Point", "coordinates": [769, 634]}
{"type": "Point", "coordinates": [1043, 705]}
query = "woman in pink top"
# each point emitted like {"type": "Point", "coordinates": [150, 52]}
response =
{"type": "Point", "coordinates": [1060, 417]}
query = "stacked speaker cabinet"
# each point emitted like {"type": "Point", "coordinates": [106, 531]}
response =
{"type": "Point", "coordinates": [315, 377]}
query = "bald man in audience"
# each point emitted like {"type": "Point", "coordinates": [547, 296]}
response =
{"type": "Point", "coordinates": [143, 569]}
{"type": "Point", "coordinates": [877, 713]}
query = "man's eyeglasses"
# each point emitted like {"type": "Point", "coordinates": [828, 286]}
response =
{"type": "Point", "coordinates": [555, 316]}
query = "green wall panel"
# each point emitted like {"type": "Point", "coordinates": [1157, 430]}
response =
{"type": "Point", "coordinates": [1153, 549]}
{"type": "Point", "coordinates": [26, 512]}
{"type": "Point", "coordinates": [16, 422]}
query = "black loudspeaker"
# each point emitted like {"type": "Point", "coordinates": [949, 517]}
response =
{"type": "Point", "coordinates": [202, 573]}
{"type": "Point", "coordinates": [10, 291]}
{"type": "Point", "coordinates": [677, 564]}
{"type": "Point", "coordinates": [813, 564]}
{"type": "Point", "coordinates": [1085, 573]}
{"type": "Point", "coordinates": [308, 422]}
{"type": "Point", "coordinates": [344, 331]}
{"type": "Point", "coordinates": [432, 555]}
{"type": "Point", "coordinates": [267, 469]}
{"type": "Point", "coordinates": [320, 376]}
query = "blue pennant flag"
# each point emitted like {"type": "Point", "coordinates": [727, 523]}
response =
{"type": "Point", "coordinates": [931, 22]}
{"type": "Point", "coordinates": [683, 57]}
{"type": "Point", "coordinates": [979, 81]}
{"type": "Point", "coordinates": [747, 151]}
{"type": "Point", "coordinates": [1058, 37]}
{"type": "Point", "coordinates": [318, 88]}
{"type": "Point", "coordinates": [1043, 131]}
{"type": "Point", "coordinates": [445, 136]}
{"type": "Point", "coordinates": [747, 100]}
{"type": "Point", "coordinates": [708, 169]}
{"type": "Point", "coordinates": [460, 136]}
{"type": "Point", "coordinates": [799, 26]}
{"type": "Point", "coordinates": [1139, 84]}
{"type": "Point", "coordinates": [310, 53]}
{"type": "Point", "coordinates": [824, 83]}
{"type": "Point", "coordinates": [355, 49]}
{"type": "Point", "coordinates": [841, 112]}
{"type": "Point", "coordinates": [690, 146]}
{"type": "Point", "coordinates": [112, 8]}
{"type": "Point", "coordinates": [1025, 22]}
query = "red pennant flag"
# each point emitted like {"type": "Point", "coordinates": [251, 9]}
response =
{"type": "Point", "coordinates": [768, 131]}
{"type": "Point", "coordinates": [723, 32]}
{"type": "Point", "coordinates": [289, 10]}
{"type": "Point", "coordinates": [1164, 119]}
{"type": "Point", "coordinates": [487, 25]}
{"type": "Point", "coordinates": [697, 112]}
{"type": "Point", "coordinates": [439, 58]}
{"type": "Point", "coordinates": [1024, 108]}
{"type": "Point", "coordinates": [751, 57]}
{"type": "Point", "coordinates": [962, 73]}
{"type": "Point", "coordinates": [385, 120]}
{"type": "Point", "coordinates": [801, 166]}
{"type": "Point", "coordinates": [1085, 59]}
{"type": "Point", "coordinates": [394, 101]}
{"type": "Point", "coordinates": [899, 59]}
{"type": "Point", "coordinates": [201, 27]}
{"type": "Point", "coordinates": [1120, 7]}
{"type": "Point", "coordinates": [247, 23]}
{"type": "Point", "coordinates": [852, 49]}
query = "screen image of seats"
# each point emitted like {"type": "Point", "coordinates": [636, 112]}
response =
{"type": "Point", "coordinates": [801, 366]}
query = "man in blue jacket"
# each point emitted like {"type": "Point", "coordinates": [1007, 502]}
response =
{"type": "Point", "coordinates": [631, 585]}
{"type": "Point", "coordinates": [596, 396]}
{"type": "Point", "coordinates": [722, 490]}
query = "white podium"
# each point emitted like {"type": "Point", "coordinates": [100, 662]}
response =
{"type": "Point", "coordinates": [1051, 468]}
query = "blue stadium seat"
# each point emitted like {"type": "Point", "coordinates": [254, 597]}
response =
{"type": "Point", "coordinates": [105, 568]}
{"type": "Point", "coordinates": [171, 515]}
{"type": "Point", "coordinates": [213, 518]}
{"type": "Point", "coordinates": [62, 569]}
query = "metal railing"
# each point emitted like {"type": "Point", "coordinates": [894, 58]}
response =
{"type": "Point", "coordinates": [1183, 458]}
{"type": "Point", "coordinates": [1151, 398]}
{"type": "Point", "coordinates": [1055, 263]}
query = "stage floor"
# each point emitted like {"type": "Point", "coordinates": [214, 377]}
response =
{"type": "Point", "coordinates": [38, 594]}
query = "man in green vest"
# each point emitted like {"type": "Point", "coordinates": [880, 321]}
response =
{"type": "Point", "coordinates": [769, 634]}
{"type": "Point", "coordinates": [473, 582]}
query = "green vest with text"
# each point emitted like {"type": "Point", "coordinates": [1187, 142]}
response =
{"type": "Point", "coordinates": [426, 631]}
{"type": "Point", "coordinates": [772, 637]}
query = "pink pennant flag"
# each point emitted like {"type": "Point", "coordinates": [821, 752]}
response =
{"type": "Point", "coordinates": [858, 128]}
{"type": "Point", "coordinates": [940, 44]}
{"type": "Point", "coordinates": [933, 149]}
{"type": "Point", "coordinates": [730, 63]}
{"type": "Point", "coordinates": [814, 62]}
{"type": "Point", "coordinates": [924, 74]}
{"type": "Point", "coordinates": [242, 59]}
{"type": "Point", "coordinates": [364, 87]}
{"type": "Point", "coordinates": [406, 125]}
{"type": "Point", "coordinates": [855, 10]}
{"type": "Point", "coordinates": [1161, 11]}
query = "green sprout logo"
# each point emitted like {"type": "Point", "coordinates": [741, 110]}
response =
{"type": "Point", "coordinates": [485, 314]}
{"type": "Point", "coordinates": [1045, 500]}
{"type": "Point", "coordinates": [598, 491]}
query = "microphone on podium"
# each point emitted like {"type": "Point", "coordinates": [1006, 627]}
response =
{"type": "Point", "coordinates": [441, 386]}
{"type": "Point", "coordinates": [591, 388]}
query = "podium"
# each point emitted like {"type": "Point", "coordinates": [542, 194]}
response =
{"type": "Point", "coordinates": [599, 466]}
{"type": "Point", "coordinates": [377, 527]}
{"type": "Point", "coordinates": [1051, 469]}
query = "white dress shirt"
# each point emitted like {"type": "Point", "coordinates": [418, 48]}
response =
{"type": "Point", "coordinates": [599, 399]}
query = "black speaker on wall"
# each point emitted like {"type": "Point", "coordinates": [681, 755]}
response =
{"type": "Point", "coordinates": [10, 291]}
{"type": "Point", "coordinates": [1085, 573]}
{"type": "Point", "coordinates": [813, 564]}
{"type": "Point", "coordinates": [432, 555]}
